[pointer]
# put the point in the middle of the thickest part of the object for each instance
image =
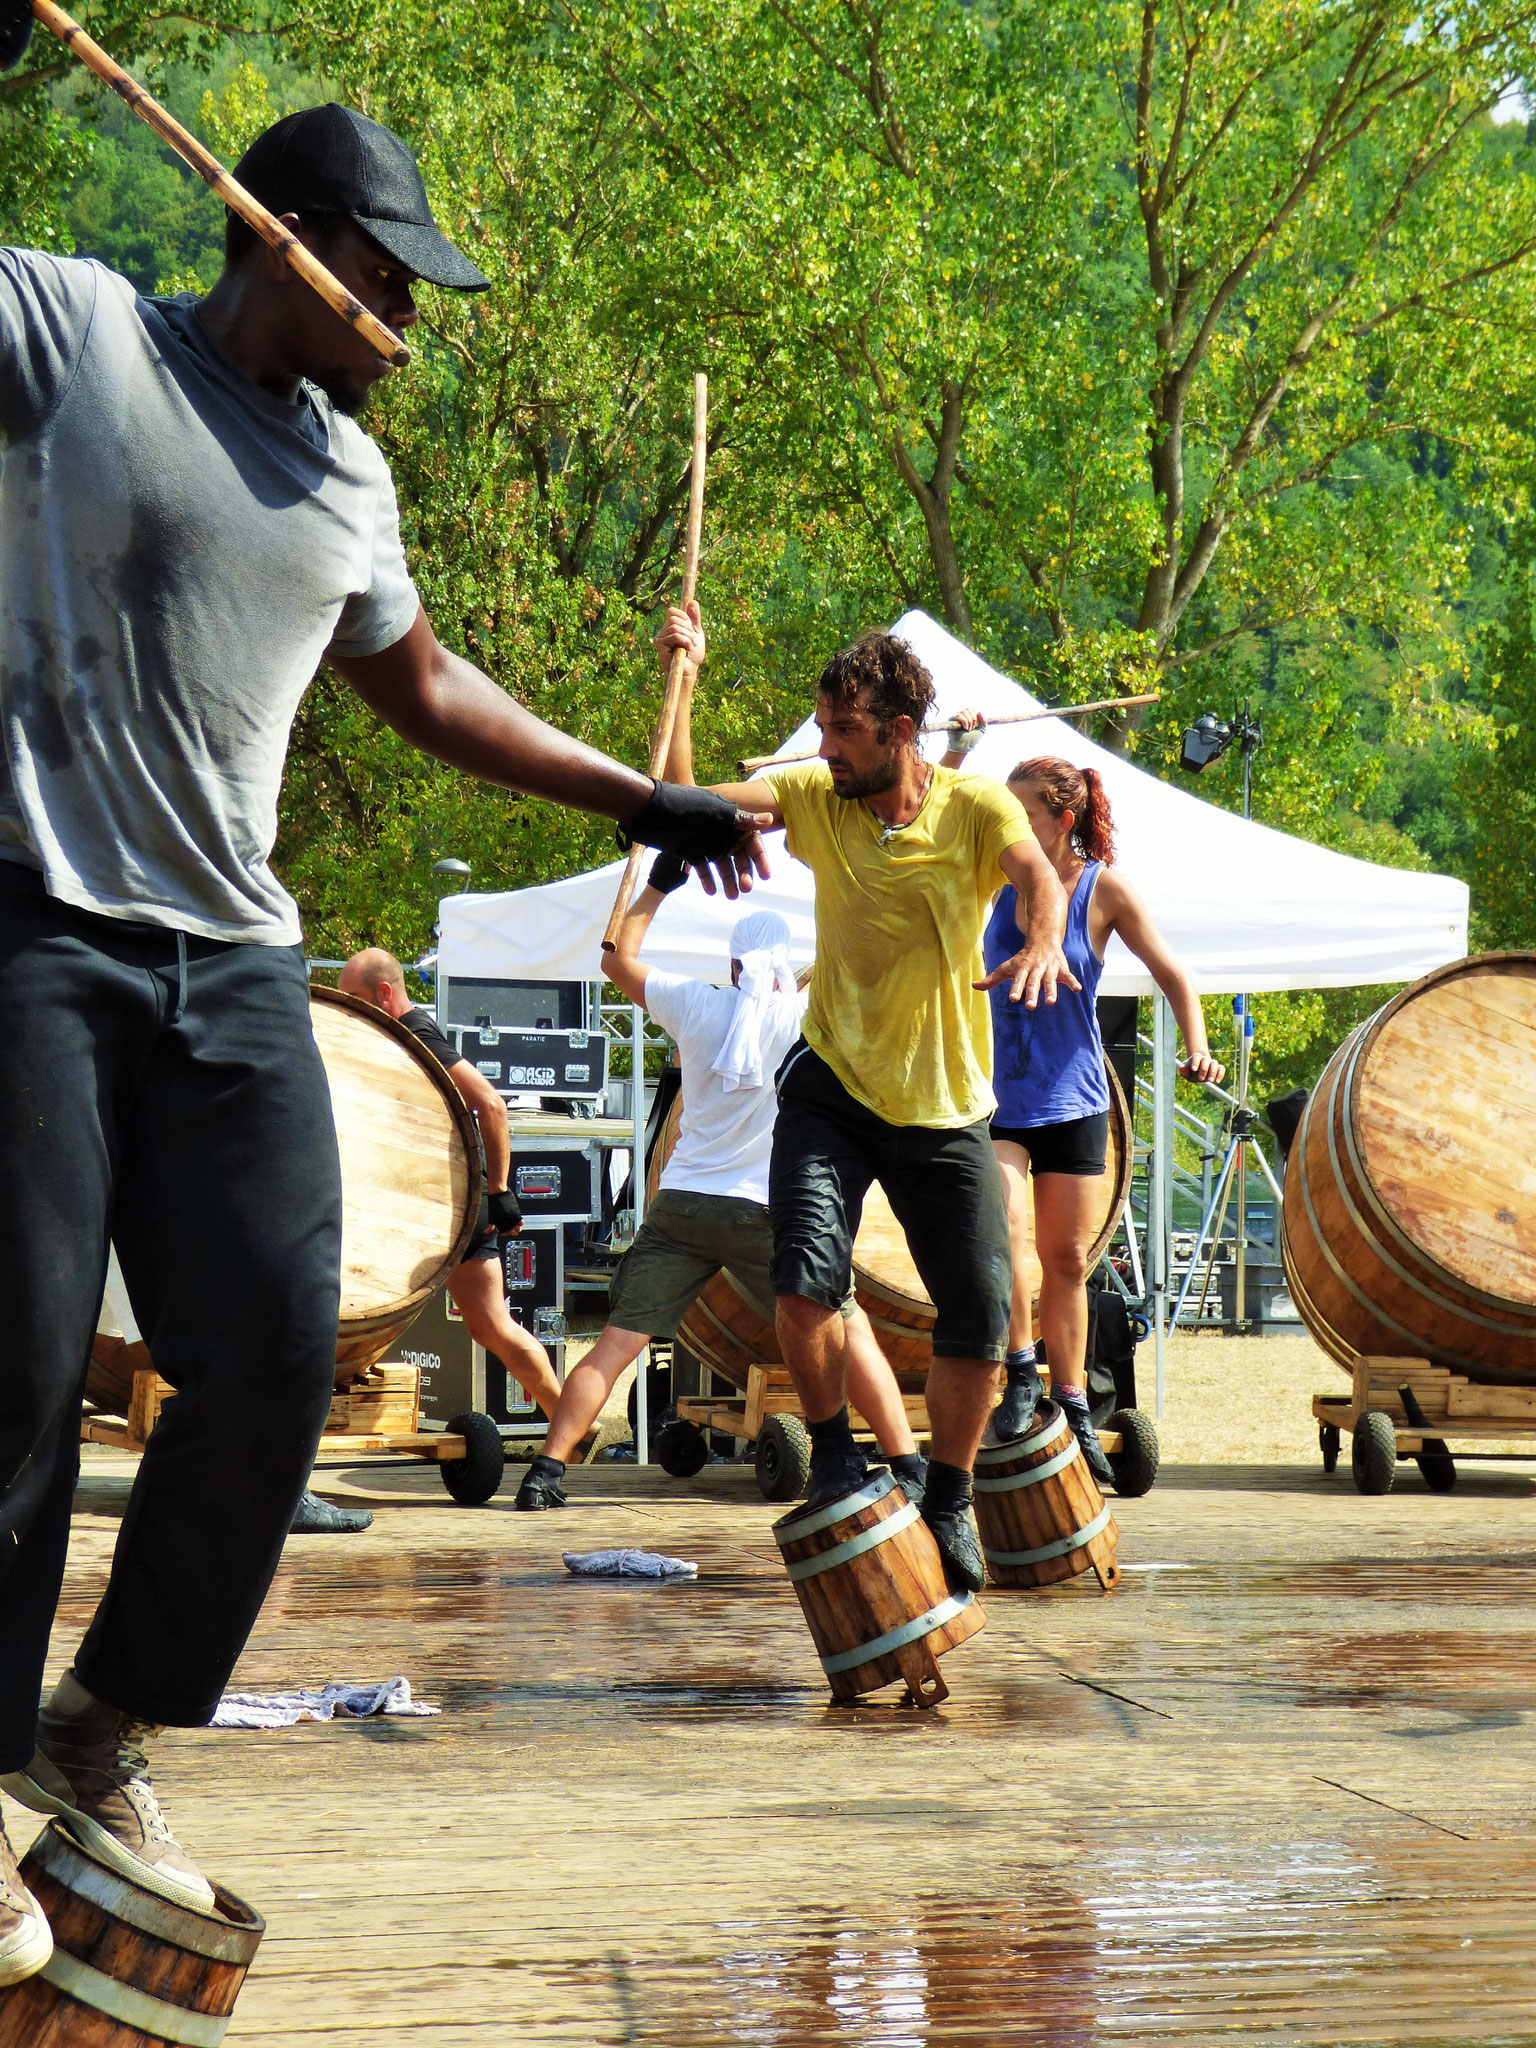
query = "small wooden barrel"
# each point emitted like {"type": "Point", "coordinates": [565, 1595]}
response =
{"type": "Point", "coordinates": [1409, 1223]}
{"type": "Point", "coordinates": [871, 1585]}
{"type": "Point", "coordinates": [129, 1969]}
{"type": "Point", "coordinates": [729, 1336]}
{"type": "Point", "coordinates": [410, 1188]}
{"type": "Point", "coordinates": [1041, 1515]}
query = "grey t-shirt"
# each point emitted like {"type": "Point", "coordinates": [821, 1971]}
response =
{"type": "Point", "coordinates": [178, 551]}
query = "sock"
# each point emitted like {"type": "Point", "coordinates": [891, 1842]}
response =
{"type": "Point", "coordinates": [548, 1468]}
{"type": "Point", "coordinates": [949, 1489]}
{"type": "Point", "coordinates": [1069, 1397]}
{"type": "Point", "coordinates": [834, 1437]}
{"type": "Point", "coordinates": [909, 1465]}
{"type": "Point", "coordinates": [1020, 1364]}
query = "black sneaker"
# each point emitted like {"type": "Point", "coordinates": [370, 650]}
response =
{"type": "Point", "coordinates": [316, 1517]}
{"type": "Point", "coordinates": [834, 1474]}
{"type": "Point", "coordinates": [1012, 1416]}
{"type": "Point", "coordinates": [965, 1569]}
{"type": "Point", "coordinates": [540, 1490]}
{"type": "Point", "coordinates": [1094, 1456]}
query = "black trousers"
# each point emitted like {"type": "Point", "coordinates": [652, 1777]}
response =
{"type": "Point", "coordinates": [943, 1186]}
{"type": "Point", "coordinates": [166, 1092]}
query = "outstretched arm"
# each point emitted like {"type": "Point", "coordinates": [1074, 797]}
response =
{"type": "Point", "coordinates": [1118, 908]}
{"type": "Point", "coordinates": [447, 707]}
{"type": "Point", "coordinates": [623, 966]}
{"type": "Point", "coordinates": [1042, 966]}
{"type": "Point", "coordinates": [683, 629]}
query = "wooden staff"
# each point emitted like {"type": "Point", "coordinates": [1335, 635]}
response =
{"type": "Point", "coordinates": [755, 761]}
{"type": "Point", "coordinates": [661, 745]}
{"type": "Point", "coordinates": [234, 195]}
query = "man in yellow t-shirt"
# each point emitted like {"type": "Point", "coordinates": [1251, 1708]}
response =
{"type": "Point", "coordinates": [889, 1081]}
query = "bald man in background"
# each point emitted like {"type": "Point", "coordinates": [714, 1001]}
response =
{"type": "Point", "coordinates": [477, 1289]}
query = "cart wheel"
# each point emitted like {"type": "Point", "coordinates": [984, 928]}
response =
{"type": "Point", "coordinates": [783, 1458]}
{"type": "Point", "coordinates": [1437, 1465]}
{"type": "Point", "coordinates": [1373, 1452]}
{"type": "Point", "coordinates": [1135, 1463]}
{"type": "Point", "coordinates": [682, 1449]}
{"type": "Point", "coordinates": [1328, 1444]}
{"type": "Point", "coordinates": [475, 1477]}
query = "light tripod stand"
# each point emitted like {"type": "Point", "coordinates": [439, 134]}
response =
{"type": "Point", "coordinates": [1241, 1127]}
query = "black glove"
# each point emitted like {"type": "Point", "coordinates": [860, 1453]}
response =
{"type": "Point", "coordinates": [506, 1211]}
{"type": "Point", "coordinates": [667, 873]}
{"type": "Point", "coordinates": [15, 32]}
{"type": "Point", "coordinates": [695, 824]}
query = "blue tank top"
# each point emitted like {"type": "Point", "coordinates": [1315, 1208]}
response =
{"type": "Point", "coordinates": [1048, 1062]}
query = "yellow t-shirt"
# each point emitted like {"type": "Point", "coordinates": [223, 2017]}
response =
{"type": "Point", "coordinates": [898, 940]}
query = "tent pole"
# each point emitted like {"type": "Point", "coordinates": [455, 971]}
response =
{"type": "Point", "coordinates": [1160, 1206]}
{"type": "Point", "coordinates": [637, 1187]}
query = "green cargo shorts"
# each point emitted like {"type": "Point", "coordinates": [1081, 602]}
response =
{"type": "Point", "coordinates": [685, 1240]}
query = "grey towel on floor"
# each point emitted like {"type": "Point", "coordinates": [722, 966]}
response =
{"type": "Point", "coordinates": [628, 1564]}
{"type": "Point", "coordinates": [329, 1703]}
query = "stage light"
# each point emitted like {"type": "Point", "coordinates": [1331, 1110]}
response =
{"type": "Point", "coordinates": [1204, 742]}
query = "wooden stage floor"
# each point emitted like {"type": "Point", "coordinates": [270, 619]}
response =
{"type": "Point", "coordinates": [1282, 1785]}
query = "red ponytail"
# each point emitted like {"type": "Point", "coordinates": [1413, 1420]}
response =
{"type": "Point", "coordinates": [1061, 787]}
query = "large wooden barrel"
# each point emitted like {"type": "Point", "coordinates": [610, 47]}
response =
{"type": "Point", "coordinates": [724, 1331]}
{"type": "Point", "coordinates": [1039, 1512]}
{"type": "Point", "coordinates": [129, 1969]}
{"type": "Point", "coordinates": [1409, 1226]}
{"type": "Point", "coordinates": [870, 1583]}
{"type": "Point", "coordinates": [411, 1182]}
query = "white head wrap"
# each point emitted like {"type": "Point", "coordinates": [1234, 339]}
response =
{"type": "Point", "coordinates": [760, 941]}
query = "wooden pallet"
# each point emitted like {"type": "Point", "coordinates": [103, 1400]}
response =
{"type": "Point", "coordinates": [770, 1391]}
{"type": "Point", "coordinates": [1452, 1406]}
{"type": "Point", "coordinates": [377, 1414]}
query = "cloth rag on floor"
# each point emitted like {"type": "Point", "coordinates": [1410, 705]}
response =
{"type": "Point", "coordinates": [329, 1703]}
{"type": "Point", "coordinates": [628, 1564]}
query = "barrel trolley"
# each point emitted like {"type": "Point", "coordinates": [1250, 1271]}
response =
{"type": "Point", "coordinates": [1403, 1408]}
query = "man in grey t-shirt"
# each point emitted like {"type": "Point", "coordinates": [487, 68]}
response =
{"type": "Point", "coordinates": [190, 520]}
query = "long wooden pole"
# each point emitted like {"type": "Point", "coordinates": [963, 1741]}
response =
{"type": "Point", "coordinates": [1009, 718]}
{"type": "Point", "coordinates": [234, 195]}
{"type": "Point", "coordinates": [661, 745]}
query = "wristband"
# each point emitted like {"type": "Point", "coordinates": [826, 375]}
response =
{"type": "Point", "coordinates": [505, 1210]}
{"type": "Point", "coordinates": [667, 873]}
{"type": "Point", "coordinates": [961, 739]}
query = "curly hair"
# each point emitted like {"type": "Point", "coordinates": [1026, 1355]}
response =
{"type": "Point", "coordinates": [1061, 787]}
{"type": "Point", "coordinates": [898, 684]}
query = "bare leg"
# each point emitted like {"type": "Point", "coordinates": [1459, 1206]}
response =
{"type": "Point", "coordinates": [815, 1350]}
{"type": "Point", "coordinates": [587, 1386]}
{"type": "Point", "coordinates": [1066, 1210]}
{"type": "Point", "coordinates": [960, 1396]}
{"type": "Point", "coordinates": [872, 1389]}
{"type": "Point", "coordinates": [1013, 1162]}
{"type": "Point", "coordinates": [476, 1290]}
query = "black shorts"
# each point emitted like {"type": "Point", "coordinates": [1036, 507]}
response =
{"type": "Point", "coordinates": [1078, 1145]}
{"type": "Point", "coordinates": [944, 1189]}
{"type": "Point", "coordinates": [486, 1242]}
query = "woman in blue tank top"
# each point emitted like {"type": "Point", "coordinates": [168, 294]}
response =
{"type": "Point", "coordinates": [1052, 1118]}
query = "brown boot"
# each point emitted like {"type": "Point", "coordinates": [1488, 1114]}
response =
{"type": "Point", "coordinates": [90, 1770]}
{"type": "Point", "coordinates": [26, 1942]}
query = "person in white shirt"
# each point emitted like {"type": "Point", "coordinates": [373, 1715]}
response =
{"type": "Point", "coordinates": [711, 1206]}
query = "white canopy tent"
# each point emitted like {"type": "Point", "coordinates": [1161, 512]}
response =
{"type": "Point", "coordinates": [1248, 909]}
{"type": "Point", "coordinates": [1245, 907]}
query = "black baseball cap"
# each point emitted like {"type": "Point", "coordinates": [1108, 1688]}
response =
{"type": "Point", "coordinates": [332, 159]}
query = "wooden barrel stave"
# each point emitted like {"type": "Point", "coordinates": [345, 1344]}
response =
{"type": "Point", "coordinates": [1410, 1195]}
{"type": "Point", "coordinates": [727, 1335]}
{"type": "Point", "coordinates": [411, 1183]}
{"type": "Point", "coordinates": [129, 1969]}
{"type": "Point", "coordinates": [1039, 1511]}
{"type": "Point", "coordinates": [875, 1588]}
